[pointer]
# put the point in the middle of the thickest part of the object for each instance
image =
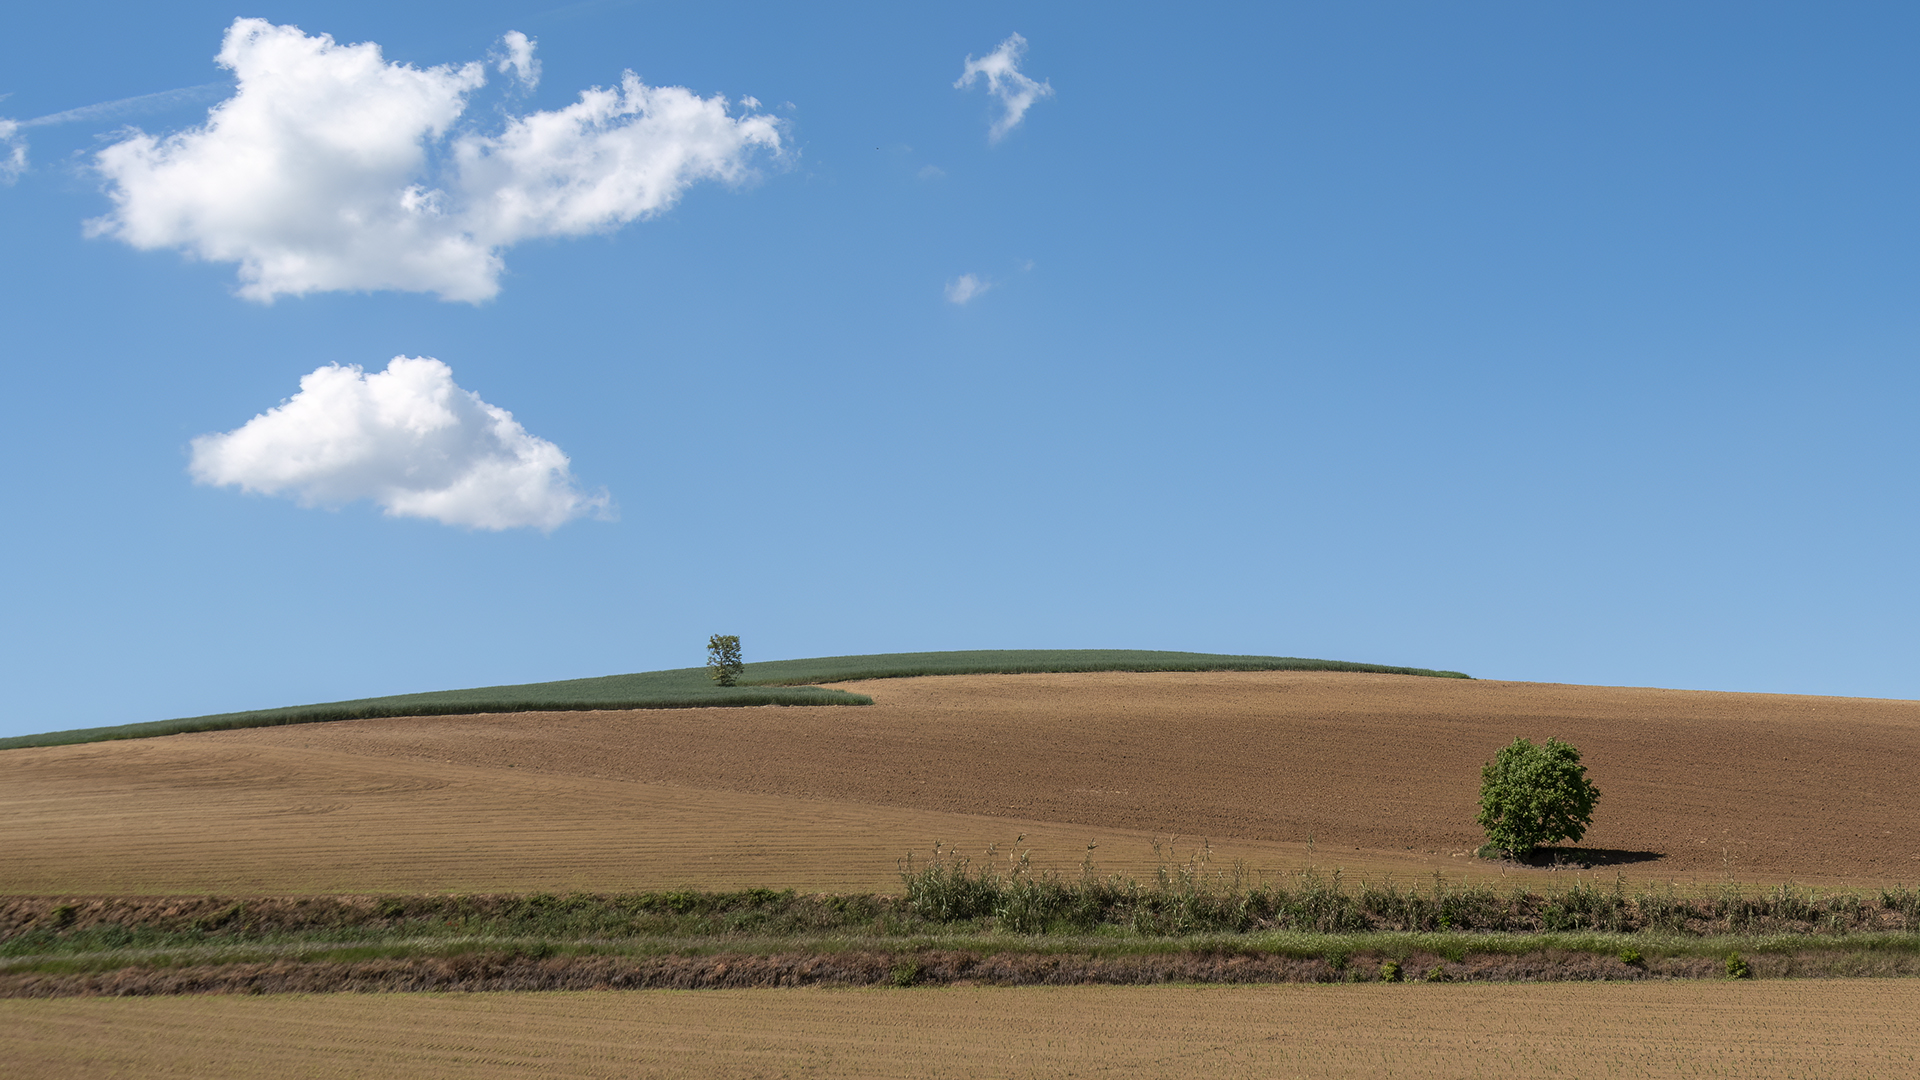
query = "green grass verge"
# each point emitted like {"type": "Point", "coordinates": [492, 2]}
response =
{"type": "Point", "coordinates": [1368, 932]}
{"type": "Point", "coordinates": [1788, 931]}
{"type": "Point", "coordinates": [947, 898]}
{"type": "Point", "coordinates": [776, 682]}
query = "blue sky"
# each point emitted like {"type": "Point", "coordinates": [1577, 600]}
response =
{"type": "Point", "coordinates": [1546, 342]}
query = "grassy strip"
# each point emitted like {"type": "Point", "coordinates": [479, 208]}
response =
{"type": "Point", "coordinates": [951, 923]}
{"type": "Point", "coordinates": [948, 901]}
{"type": "Point", "coordinates": [1185, 898]}
{"type": "Point", "coordinates": [1454, 946]}
{"type": "Point", "coordinates": [494, 965]}
{"type": "Point", "coordinates": [778, 682]}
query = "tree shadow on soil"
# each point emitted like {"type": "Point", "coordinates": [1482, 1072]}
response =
{"type": "Point", "coordinates": [1580, 858]}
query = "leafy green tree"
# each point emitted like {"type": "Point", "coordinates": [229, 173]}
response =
{"type": "Point", "coordinates": [1533, 795]}
{"type": "Point", "coordinates": [723, 659]}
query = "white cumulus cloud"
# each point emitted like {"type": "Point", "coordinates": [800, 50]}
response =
{"type": "Point", "coordinates": [966, 287]}
{"type": "Point", "coordinates": [409, 439]}
{"type": "Point", "coordinates": [331, 168]}
{"type": "Point", "coordinates": [1015, 92]}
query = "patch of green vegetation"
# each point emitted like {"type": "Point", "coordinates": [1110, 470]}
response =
{"type": "Point", "coordinates": [946, 902]}
{"type": "Point", "coordinates": [1880, 954]}
{"type": "Point", "coordinates": [777, 682]}
{"type": "Point", "coordinates": [1532, 796]}
{"type": "Point", "coordinates": [1038, 661]}
{"type": "Point", "coordinates": [1185, 898]}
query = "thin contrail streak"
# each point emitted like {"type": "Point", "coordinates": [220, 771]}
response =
{"type": "Point", "coordinates": [165, 99]}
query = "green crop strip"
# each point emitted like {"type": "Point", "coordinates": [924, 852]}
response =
{"type": "Point", "coordinates": [777, 682]}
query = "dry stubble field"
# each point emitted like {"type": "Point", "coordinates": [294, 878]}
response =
{"type": "Point", "coordinates": [1380, 771]}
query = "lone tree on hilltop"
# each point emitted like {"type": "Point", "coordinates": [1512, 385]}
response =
{"type": "Point", "coordinates": [723, 659]}
{"type": "Point", "coordinates": [1533, 795]}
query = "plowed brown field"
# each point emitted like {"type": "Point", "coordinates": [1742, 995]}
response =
{"type": "Point", "coordinates": [1380, 771]}
{"type": "Point", "coordinates": [1749, 1030]}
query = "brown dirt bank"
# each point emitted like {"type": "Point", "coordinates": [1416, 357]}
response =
{"type": "Point", "coordinates": [497, 972]}
{"type": "Point", "coordinates": [1754, 786]}
{"type": "Point", "coordinates": [665, 917]}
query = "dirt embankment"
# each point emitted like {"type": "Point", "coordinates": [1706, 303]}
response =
{"type": "Point", "coordinates": [496, 972]}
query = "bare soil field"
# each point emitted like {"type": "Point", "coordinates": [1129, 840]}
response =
{"type": "Point", "coordinates": [1752, 1030]}
{"type": "Point", "coordinates": [177, 816]}
{"type": "Point", "coordinates": [1379, 772]}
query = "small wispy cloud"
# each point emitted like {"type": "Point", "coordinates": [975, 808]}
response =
{"type": "Point", "coordinates": [13, 152]}
{"type": "Point", "coordinates": [965, 288]}
{"type": "Point", "coordinates": [407, 438]}
{"type": "Point", "coordinates": [519, 59]}
{"type": "Point", "coordinates": [1015, 91]}
{"type": "Point", "coordinates": [931, 172]}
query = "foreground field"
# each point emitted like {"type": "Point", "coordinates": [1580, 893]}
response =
{"type": "Point", "coordinates": [1369, 775]}
{"type": "Point", "coordinates": [1375, 774]}
{"type": "Point", "coordinates": [1753, 1030]}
